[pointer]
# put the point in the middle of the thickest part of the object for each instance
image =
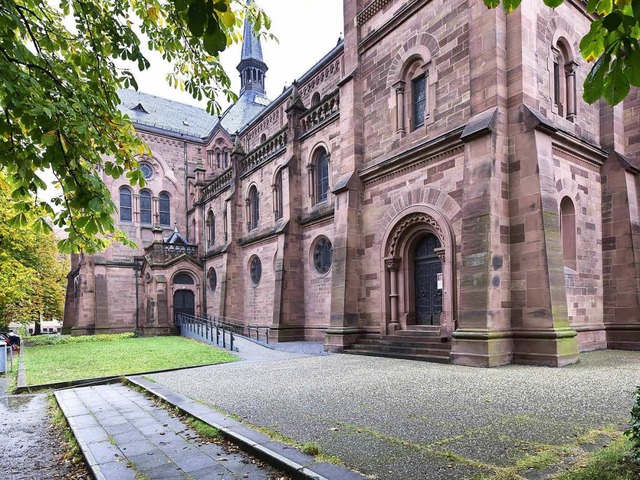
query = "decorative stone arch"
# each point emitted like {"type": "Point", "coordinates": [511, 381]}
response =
{"type": "Point", "coordinates": [563, 58]}
{"type": "Point", "coordinates": [191, 271]}
{"type": "Point", "coordinates": [162, 171]}
{"type": "Point", "coordinates": [277, 191]}
{"type": "Point", "coordinates": [405, 230]}
{"type": "Point", "coordinates": [312, 172]}
{"type": "Point", "coordinates": [415, 54]}
{"type": "Point", "coordinates": [568, 222]}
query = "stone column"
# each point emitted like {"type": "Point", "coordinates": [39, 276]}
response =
{"type": "Point", "coordinates": [399, 86]}
{"type": "Point", "coordinates": [570, 72]}
{"type": "Point", "coordinates": [392, 265]}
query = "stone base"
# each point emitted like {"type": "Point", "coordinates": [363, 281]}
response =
{"type": "Point", "coordinates": [623, 337]}
{"type": "Point", "coordinates": [286, 333]}
{"type": "Point", "coordinates": [157, 331]}
{"type": "Point", "coordinates": [101, 330]}
{"type": "Point", "coordinates": [337, 339]}
{"type": "Point", "coordinates": [481, 348]}
{"type": "Point", "coordinates": [591, 337]}
{"type": "Point", "coordinates": [550, 348]}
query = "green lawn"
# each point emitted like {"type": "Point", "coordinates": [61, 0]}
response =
{"type": "Point", "coordinates": [100, 358]}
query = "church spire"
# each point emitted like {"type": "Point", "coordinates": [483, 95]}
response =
{"type": "Point", "coordinates": [251, 67]}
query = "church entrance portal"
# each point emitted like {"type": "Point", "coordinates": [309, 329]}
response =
{"type": "Point", "coordinates": [427, 281]}
{"type": "Point", "coordinates": [183, 302]}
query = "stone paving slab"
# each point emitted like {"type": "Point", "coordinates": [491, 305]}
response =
{"type": "Point", "coordinates": [284, 456]}
{"type": "Point", "coordinates": [399, 419]}
{"type": "Point", "coordinates": [123, 436]}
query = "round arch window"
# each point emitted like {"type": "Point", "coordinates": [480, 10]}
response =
{"type": "Point", "coordinates": [183, 279]}
{"type": "Point", "coordinates": [147, 171]}
{"type": "Point", "coordinates": [323, 255]}
{"type": "Point", "coordinates": [213, 279]}
{"type": "Point", "coordinates": [255, 270]}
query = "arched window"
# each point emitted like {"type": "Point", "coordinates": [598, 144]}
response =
{"type": "Point", "coordinates": [211, 229]}
{"type": "Point", "coordinates": [145, 207]}
{"type": "Point", "coordinates": [226, 158]}
{"type": "Point", "coordinates": [315, 99]}
{"type": "Point", "coordinates": [563, 81]}
{"type": "Point", "coordinates": [210, 158]}
{"type": "Point", "coordinates": [164, 209]}
{"type": "Point", "coordinates": [413, 86]}
{"type": "Point", "coordinates": [263, 138]}
{"type": "Point", "coordinates": [568, 232]}
{"type": "Point", "coordinates": [218, 158]}
{"type": "Point", "coordinates": [125, 205]}
{"type": "Point", "coordinates": [253, 208]}
{"type": "Point", "coordinates": [319, 177]}
{"type": "Point", "coordinates": [277, 196]}
{"type": "Point", "coordinates": [183, 279]}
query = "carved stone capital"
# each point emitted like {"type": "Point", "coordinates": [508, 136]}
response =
{"type": "Point", "coordinates": [392, 264]}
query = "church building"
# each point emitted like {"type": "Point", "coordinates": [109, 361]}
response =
{"type": "Point", "coordinates": [433, 188]}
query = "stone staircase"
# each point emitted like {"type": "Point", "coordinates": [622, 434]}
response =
{"type": "Point", "coordinates": [421, 343]}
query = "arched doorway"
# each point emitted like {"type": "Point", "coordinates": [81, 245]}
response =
{"type": "Point", "coordinates": [184, 302]}
{"type": "Point", "coordinates": [427, 268]}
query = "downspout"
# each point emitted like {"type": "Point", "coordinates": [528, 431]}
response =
{"type": "Point", "coordinates": [186, 190]}
{"type": "Point", "coordinates": [204, 264]}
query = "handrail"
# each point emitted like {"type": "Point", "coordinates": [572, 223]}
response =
{"type": "Point", "coordinates": [202, 326]}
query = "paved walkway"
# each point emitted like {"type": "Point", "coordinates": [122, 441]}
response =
{"type": "Point", "coordinates": [126, 436]}
{"type": "Point", "coordinates": [398, 419]}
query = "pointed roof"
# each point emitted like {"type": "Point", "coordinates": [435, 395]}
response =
{"type": "Point", "coordinates": [251, 47]}
{"type": "Point", "coordinates": [176, 238]}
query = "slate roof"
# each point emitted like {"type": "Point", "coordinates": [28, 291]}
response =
{"type": "Point", "coordinates": [248, 106]}
{"type": "Point", "coordinates": [176, 238]}
{"type": "Point", "coordinates": [251, 47]}
{"type": "Point", "coordinates": [163, 114]}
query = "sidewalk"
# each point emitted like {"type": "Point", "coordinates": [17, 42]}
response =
{"type": "Point", "coordinates": [124, 436]}
{"type": "Point", "coordinates": [399, 419]}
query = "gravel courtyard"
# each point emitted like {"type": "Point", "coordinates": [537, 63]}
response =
{"type": "Point", "coordinates": [397, 419]}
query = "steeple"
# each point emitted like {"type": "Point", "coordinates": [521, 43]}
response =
{"type": "Point", "coordinates": [251, 67]}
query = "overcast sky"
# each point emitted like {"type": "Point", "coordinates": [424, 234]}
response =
{"type": "Point", "coordinates": [306, 30]}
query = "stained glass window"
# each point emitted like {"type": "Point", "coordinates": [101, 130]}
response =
{"type": "Point", "coordinates": [323, 255]}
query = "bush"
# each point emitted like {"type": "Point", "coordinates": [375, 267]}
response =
{"type": "Point", "coordinates": [41, 340]}
{"type": "Point", "coordinates": [634, 431]}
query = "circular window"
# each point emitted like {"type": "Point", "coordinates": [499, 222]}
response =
{"type": "Point", "coordinates": [146, 170]}
{"type": "Point", "coordinates": [213, 279]}
{"type": "Point", "coordinates": [323, 255]}
{"type": "Point", "coordinates": [255, 269]}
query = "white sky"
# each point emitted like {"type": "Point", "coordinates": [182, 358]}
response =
{"type": "Point", "coordinates": [306, 30]}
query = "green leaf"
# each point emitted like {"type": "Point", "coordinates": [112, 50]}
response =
{"type": "Point", "coordinates": [632, 66]}
{"type": "Point", "coordinates": [553, 3]}
{"type": "Point", "coordinates": [491, 3]}
{"type": "Point", "coordinates": [612, 21]}
{"type": "Point", "coordinates": [592, 44]}
{"type": "Point", "coordinates": [511, 5]}
{"type": "Point", "coordinates": [616, 84]}
{"type": "Point", "coordinates": [196, 17]}
{"type": "Point", "coordinates": [594, 82]}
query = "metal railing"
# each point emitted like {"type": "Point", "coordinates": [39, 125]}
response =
{"type": "Point", "coordinates": [206, 330]}
{"type": "Point", "coordinates": [218, 330]}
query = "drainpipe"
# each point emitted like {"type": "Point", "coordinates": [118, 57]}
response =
{"type": "Point", "coordinates": [186, 189]}
{"type": "Point", "coordinates": [204, 264]}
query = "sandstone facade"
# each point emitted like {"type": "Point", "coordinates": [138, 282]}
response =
{"type": "Point", "coordinates": [434, 187]}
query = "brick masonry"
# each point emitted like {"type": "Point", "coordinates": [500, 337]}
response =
{"type": "Point", "coordinates": [536, 209]}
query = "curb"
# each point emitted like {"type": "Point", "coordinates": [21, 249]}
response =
{"type": "Point", "coordinates": [285, 457]}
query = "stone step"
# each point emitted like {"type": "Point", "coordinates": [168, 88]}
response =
{"type": "Point", "coordinates": [403, 349]}
{"type": "Point", "coordinates": [405, 342]}
{"type": "Point", "coordinates": [402, 356]}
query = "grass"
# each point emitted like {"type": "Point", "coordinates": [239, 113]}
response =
{"type": "Point", "coordinates": [203, 428]}
{"type": "Point", "coordinates": [40, 340]}
{"type": "Point", "coordinates": [90, 359]}
{"type": "Point", "coordinates": [611, 463]}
